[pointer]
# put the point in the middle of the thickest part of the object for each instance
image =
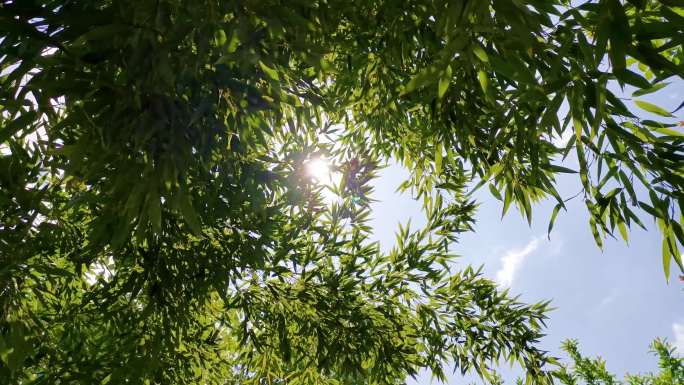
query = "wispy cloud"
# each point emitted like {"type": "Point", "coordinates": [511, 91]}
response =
{"type": "Point", "coordinates": [610, 298]}
{"type": "Point", "coordinates": [512, 261]}
{"type": "Point", "coordinates": [678, 331]}
{"type": "Point", "coordinates": [607, 300]}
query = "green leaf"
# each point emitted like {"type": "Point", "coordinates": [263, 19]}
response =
{"type": "Point", "coordinates": [577, 123]}
{"type": "Point", "coordinates": [444, 82]}
{"type": "Point", "coordinates": [5, 350]}
{"type": "Point", "coordinates": [649, 90]}
{"type": "Point", "coordinates": [508, 197]}
{"type": "Point", "coordinates": [438, 158]}
{"type": "Point", "coordinates": [553, 218]}
{"type": "Point", "coordinates": [189, 213]}
{"type": "Point", "coordinates": [495, 192]}
{"type": "Point", "coordinates": [633, 79]}
{"type": "Point", "coordinates": [652, 108]}
{"type": "Point", "coordinates": [623, 230]}
{"type": "Point", "coordinates": [480, 53]}
{"type": "Point", "coordinates": [666, 131]}
{"type": "Point", "coordinates": [220, 37]}
{"type": "Point", "coordinates": [273, 74]}
{"type": "Point", "coordinates": [666, 258]}
{"type": "Point", "coordinates": [15, 347]}
{"type": "Point", "coordinates": [561, 169]}
{"type": "Point", "coordinates": [512, 69]}
{"type": "Point", "coordinates": [425, 77]}
{"type": "Point", "coordinates": [483, 78]}
{"type": "Point", "coordinates": [234, 42]}
{"type": "Point", "coordinates": [620, 36]}
{"type": "Point", "coordinates": [594, 231]}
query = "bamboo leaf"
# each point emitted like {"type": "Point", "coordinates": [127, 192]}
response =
{"type": "Point", "coordinates": [652, 108]}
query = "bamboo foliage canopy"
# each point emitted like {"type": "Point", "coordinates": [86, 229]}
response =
{"type": "Point", "coordinates": [158, 226]}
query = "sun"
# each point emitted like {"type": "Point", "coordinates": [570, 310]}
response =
{"type": "Point", "coordinates": [318, 169]}
{"type": "Point", "coordinates": [322, 172]}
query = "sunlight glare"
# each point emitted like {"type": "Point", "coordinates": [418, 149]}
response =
{"type": "Point", "coordinates": [322, 172]}
{"type": "Point", "coordinates": [318, 169]}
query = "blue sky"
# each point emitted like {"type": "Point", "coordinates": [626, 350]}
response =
{"type": "Point", "coordinates": [615, 301]}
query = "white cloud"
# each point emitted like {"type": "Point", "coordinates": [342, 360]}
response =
{"type": "Point", "coordinates": [610, 298]}
{"type": "Point", "coordinates": [512, 261]}
{"type": "Point", "coordinates": [678, 331]}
